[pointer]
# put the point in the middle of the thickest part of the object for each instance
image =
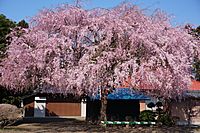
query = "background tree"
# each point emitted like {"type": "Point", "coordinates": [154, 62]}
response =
{"type": "Point", "coordinates": [22, 24]}
{"type": "Point", "coordinates": [196, 68]}
{"type": "Point", "coordinates": [5, 28]}
{"type": "Point", "coordinates": [196, 65]}
{"type": "Point", "coordinates": [72, 50]}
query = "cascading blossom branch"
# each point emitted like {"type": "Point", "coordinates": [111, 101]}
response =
{"type": "Point", "coordinates": [70, 50]}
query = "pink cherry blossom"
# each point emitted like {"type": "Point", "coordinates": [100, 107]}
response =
{"type": "Point", "coordinates": [73, 50]}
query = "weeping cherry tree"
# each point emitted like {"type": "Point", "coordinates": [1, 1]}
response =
{"type": "Point", "coordinates": [69, 49]}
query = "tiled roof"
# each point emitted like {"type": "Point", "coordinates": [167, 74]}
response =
{"type": "Point", "coordinates": [194, 90]}
{"type": "Point", "coordinates": [195, 94]}
{"type": "Point", "coordinates": [195, 85]}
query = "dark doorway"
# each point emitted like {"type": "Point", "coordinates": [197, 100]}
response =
{"type": "Point", "coordinates": [121, 110]}
{"type": "Point", "coordinates": [93, 109]}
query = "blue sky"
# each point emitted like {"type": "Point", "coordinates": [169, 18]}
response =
{"type": "Point", "coordinates": [184, 11]}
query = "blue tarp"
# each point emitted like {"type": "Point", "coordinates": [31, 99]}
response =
{"type": "Point", "coordinates": [124, 94]}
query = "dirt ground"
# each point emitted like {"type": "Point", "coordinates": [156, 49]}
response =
{"type": "Point", "coordinates": [73, 125]}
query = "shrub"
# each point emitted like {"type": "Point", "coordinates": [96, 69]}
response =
{"type": "Point", "coordinates": [12, 100]}
{"type": "Point", "coordinates": [147, 115]}
{"type": "Point", "coordinates": [151, 105]}
{"type": "Point", "coordinates": [165, 119]}
{"type": "Point", "coordinates": [159, 104]}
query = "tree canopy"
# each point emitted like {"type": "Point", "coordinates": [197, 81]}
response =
{"type": "Point", "coordinates": [72, 50]}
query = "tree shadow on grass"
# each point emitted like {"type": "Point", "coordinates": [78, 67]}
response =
{"type": "Point", "coordinates": [41, 125]}
{"type": "Point", "coordinates": [55, 125]}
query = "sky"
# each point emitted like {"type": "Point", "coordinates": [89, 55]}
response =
{"type": "Point", "coordinates": [183, 11]}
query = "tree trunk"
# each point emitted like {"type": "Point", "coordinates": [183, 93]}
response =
{"type": "Point", "coordinates": [189, 105]}
{"type": "Point", "coordinates": [189, 117]}
{"type": "Point", "coordinates": [167, 106]}
{"type": "Point", "coordinates": [103, 107]}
